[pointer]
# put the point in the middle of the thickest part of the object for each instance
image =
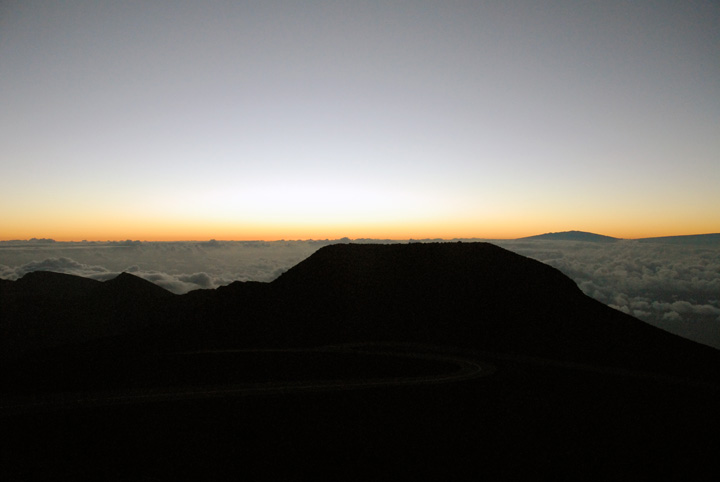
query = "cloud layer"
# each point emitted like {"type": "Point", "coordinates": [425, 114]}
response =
{"type": "Point", "coordinates": [676, 288]}
{"type": "Point", "coordinates": [177, 267]}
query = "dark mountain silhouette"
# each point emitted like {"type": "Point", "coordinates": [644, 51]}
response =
{"type": "Point", "coordinates": [470, 295]}
{"type": "Point", "coordinates": [45, 309]}
{"type": "Point", "coordinates": [577, 390]}
{"type": "Point", "coordinates": [48, 284]}
{"type": "Point", "coordinates": [689, 240]}
{"type": "Point", "coordinates": [131, 285]}
{"type": "Point", "coordinates": [571, 236]}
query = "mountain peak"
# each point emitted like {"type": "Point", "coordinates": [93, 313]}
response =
{"type": "Point", "coordinates": [54, 285]}
{"type": "Point", "coordinates": [471, 295]}
{"type": "Point", "coordinates": [417, 264]}
{"type": "Point", "coordinates": [129, 283]}
{"type": "Point", "coordinates": [571, 236]}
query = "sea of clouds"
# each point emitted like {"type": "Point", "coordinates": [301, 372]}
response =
{"type": "Point", "coordinates": [674, 287]}
{"type": "Point", "coordinates": [176, 266]}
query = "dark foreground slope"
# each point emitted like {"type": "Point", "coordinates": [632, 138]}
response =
{"type": "Point", "coordinates": [470, 295]}
{"type": "Point", "coordinates": [45, 310]}
{"type": "Point", "coordinates": [576, 390]}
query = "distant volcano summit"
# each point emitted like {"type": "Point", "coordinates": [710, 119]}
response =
{"type": "Point", "coordinates": [572, 236]}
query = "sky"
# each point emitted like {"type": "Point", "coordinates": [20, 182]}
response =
{"type": "Point", "coordinates": [242, 120]}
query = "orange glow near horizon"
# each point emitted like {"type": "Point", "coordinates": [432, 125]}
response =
{"type": "Point", "coordinates": [484, 122]}
{"type": "Point", "coordinates": [376, 216]}
{"type": "Point", "coordinates": [159, 231]}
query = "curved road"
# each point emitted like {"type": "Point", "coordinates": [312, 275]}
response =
{"type": "Point", "coordinates": [467, 369]}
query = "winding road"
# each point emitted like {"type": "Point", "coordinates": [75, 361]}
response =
{"type": "Point", "coordinates": [467, 368]}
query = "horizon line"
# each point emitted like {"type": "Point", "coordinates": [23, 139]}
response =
{"type": "Point", "coordinates": [344, 238]}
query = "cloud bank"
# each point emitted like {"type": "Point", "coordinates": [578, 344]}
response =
{"type": "Point", "coordinates": [178, 267]}
{"type": "Point", "coordinates": [674, 287]}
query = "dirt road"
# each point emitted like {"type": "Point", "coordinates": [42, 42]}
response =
{"type": "Point", "coordinates": [466, 369]}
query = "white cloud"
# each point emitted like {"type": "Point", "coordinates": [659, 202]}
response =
{"type": "Point", "coordinates": [672, 316]}
{"type": "Point", "coordinates": [200, 279]}
{"type": "Point", "coordinates": [178, 267]}
{"type": "Point", "coordinates": [671, 286]}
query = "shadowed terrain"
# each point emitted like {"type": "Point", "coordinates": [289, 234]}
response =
{"type": "Point", "coordinates": [259, 379]}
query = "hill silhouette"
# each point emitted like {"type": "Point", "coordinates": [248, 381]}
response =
{"type": "Point", "coordinates": [575, 389]}
{"type": "Point", "coordinates": [572, 236]}
{"type": "Point", "coordinates": [47, 284]}
{"type": "Point", "coordinates": [688, 240]}
{"type": "Point", "coordinates": [470, 295]}
{"type": "Point", "coordinates": [45, 309]}
{"type": "Point", "coordinates": [131, 285]}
